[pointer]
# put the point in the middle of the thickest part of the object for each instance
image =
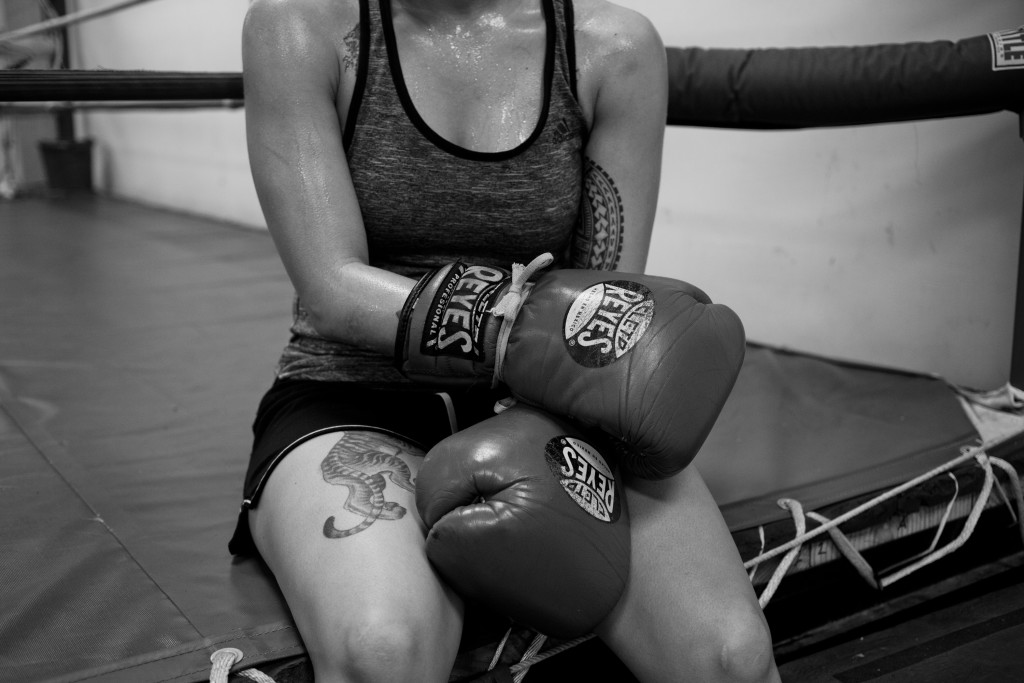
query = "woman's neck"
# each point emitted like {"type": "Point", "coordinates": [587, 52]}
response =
{"type": "Point", "coordinates": [441, 14]}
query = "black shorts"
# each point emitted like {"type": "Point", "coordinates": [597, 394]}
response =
{"type": "Point", "coordinates": [294, 411]}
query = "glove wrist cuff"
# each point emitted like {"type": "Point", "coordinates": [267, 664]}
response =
{"type": "Point", "coordinates": [446, 331]}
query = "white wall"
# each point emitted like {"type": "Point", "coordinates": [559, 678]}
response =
{"type": "Point", "coordinates": [189, 160]}
{"type": "Point", "coordinates": [892, 244]}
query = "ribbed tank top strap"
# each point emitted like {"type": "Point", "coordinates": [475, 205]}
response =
{"type": "Point", "coordinates": [565, 44]}
{"type": "Point", "coordinates": [373, 69]}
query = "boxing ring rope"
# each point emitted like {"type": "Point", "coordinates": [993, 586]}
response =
{"type": "Point", "coordinates": [758, 89]}
{"type": "Point", "coordinates": [128, 105]}
{"type": "Point", "coordinates": [66, 20]}
{"type": "Point", "coordinates": [764, 88]}
{"type": "Point", "coordinates": [813, 87]}
{"type": "Point", "coordinates": [96, 88]}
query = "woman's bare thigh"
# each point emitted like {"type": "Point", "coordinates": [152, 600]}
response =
{"type": "Point", "coordinates": [337, 524]}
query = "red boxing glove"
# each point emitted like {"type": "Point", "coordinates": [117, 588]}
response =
{"type": "Point", "coordinates": [527, 518]}
{"type": "Point", "coordinates": [649, 360]}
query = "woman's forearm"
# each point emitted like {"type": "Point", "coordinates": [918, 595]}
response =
{"type": "Point", "coordinates": [360, 306]}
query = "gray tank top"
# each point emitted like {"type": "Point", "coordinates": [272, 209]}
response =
{"type": "Point", "coordinates": [426, 201]}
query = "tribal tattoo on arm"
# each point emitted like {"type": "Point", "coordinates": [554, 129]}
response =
{"type": "Point", "coordinates": [597, 243]}
{"type": "Point", "coordinates": [359, 461]}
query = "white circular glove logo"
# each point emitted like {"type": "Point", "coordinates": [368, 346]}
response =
{"type": "Point", "coordinates": [606, 321]}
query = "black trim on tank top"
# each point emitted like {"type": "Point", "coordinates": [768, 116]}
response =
{"type": "Point", "coordinates": [442, 143]}
{"type": "Point", "coordinates": [569, 15]}
{"type": "Point", "coordinates": [362, 73]}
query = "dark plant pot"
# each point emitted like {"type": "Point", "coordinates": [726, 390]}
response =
{"type": "Point", "coordinates": [68, 164]}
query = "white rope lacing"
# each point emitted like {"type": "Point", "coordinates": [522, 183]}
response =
{"type": "Point", "coordinates": [911, 565]}
{"type": "Point", "coordinates": [256, 676]}
{"type": "Point", "coordinates": [499, 650]}
{"type": "Point", "coordinates": [849, 551]}
{"type": "Point", "coordinates": [520, 670]}
{"type": "Point", "coordinates": [797, 511]}
{"type": "Point", "coordinates": [507, 308]}
{"type": "Point", "coordinates": [519, 674]}
{"type": "Point", "coordinates": [223, 659]}
{"type": "Point", "coordinates": [533, 655]}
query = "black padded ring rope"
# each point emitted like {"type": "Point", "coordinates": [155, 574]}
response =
{"type": "Point", "coordinates": [764, 88]}
{"type": "Point", "coordinates": [104, 86]}
{"type": "Point", "coordinates": [853, 85]}
{"type": "Point", "coordinates": [70, 105]}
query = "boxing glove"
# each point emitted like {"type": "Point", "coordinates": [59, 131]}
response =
{"type": "Point", "coordinates": [648, 360]}
{"type": "Point", "coordinates": [526, 517]}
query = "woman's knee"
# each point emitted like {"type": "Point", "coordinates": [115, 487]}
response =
{"type": "Point", "coordinates": [381, 649]}
{"type": "Point", "coordinates": [741, 647]}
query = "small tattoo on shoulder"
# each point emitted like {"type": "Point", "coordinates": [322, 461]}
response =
{"type": "Point", "coordinates": [350, 58]}
{"type": "Point", "coordinates": [597, 243]}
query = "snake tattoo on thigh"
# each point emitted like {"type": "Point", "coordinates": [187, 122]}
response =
{"type": "Point", "coordinates": [360, 461]}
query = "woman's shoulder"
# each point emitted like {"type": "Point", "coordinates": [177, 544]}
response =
{"type": "Point", "coordinates": [297, 39]}
{"type": "Point", "coordinates": [614, 45]}
{"type": "Point", "coordinates": [606, 29]}
{"type": "Point", "coordinates": [299, 18]}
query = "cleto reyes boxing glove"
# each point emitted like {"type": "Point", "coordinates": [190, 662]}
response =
{"type": "Point", "coordinates": [526, 517]}
{"type": "Point", "coordinates": [648, 360]}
